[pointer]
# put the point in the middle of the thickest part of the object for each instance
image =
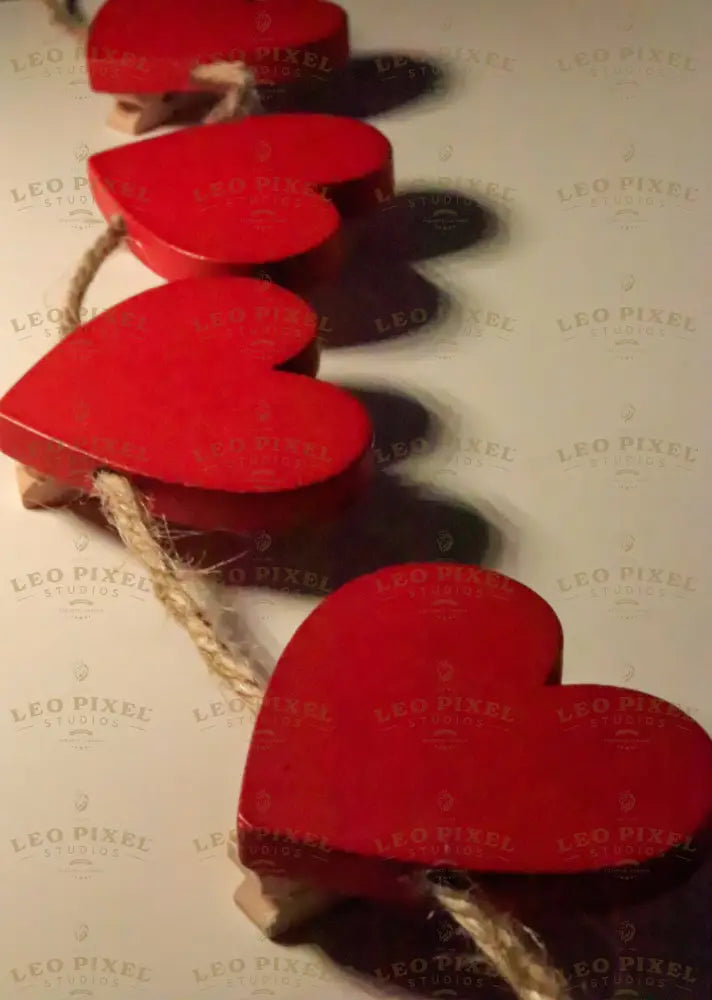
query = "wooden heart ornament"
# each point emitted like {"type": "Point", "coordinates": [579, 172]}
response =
{"type": "Point", "coordinates": [202, 392]}
{"type": "Point", "coordinates": [415, 720]}
{"type": "Point", "coordinates": [267, 191]}
{"type": "Point", "coordinates": [151, 46]}
{"type": "Point", "coordinates": [153, 54]}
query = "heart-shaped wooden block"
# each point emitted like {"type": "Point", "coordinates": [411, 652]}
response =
{"type": "Point", "coordinates": [151, 46]}
{"type": "Point", "coordinates": [415, 719]}
{"type": "Point", "coordinates": [235, 197]}
{"type": "Point", "coordinates": [202, 392]}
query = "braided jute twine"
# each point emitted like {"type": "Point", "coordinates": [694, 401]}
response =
{"type": "Point", "coordinates": [515, 953]}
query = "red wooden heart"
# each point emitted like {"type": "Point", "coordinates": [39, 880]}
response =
{"type": "Point", "coordinates": [233, 197]}
{"type": "Point", "coordinates": [151, 46]}
{"type": "Point", "coordinates": [201, 391]}
{"type": "Point", "coordinates": [408, 723]}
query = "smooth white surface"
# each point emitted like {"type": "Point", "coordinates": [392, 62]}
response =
{"type": "Point", "coordinates": [540, 126]}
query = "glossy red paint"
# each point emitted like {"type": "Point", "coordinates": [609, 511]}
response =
{"type": "Point", "coordinates": [416, 719]}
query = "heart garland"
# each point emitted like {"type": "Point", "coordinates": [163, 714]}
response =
{"type": "Point", "coordinates": [261, 433]}
{"type": "Point", "coordinates": [513, 950]}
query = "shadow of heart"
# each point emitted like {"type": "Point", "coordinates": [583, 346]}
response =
{"type": "Point", "coordinates": [392, 522]}
{"type": "Point", "coordinates": [366, 86]}
{"type": "Point", "coordinates": [653, 943]}
{"type": "Point", "coordinates": [380, 296]}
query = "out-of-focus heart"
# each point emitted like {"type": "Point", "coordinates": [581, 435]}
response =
{"type": "Point", "coordinates": [236, 197]}
{"type": "Point", "coordinates": [202, 392]}
{"type": "Point", "coordinates": [415, 720]}
{"type": "Point", "coordinates": [151, 46]}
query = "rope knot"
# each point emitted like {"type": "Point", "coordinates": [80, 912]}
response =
{"type": "Point", "coordinates": [236, 79]}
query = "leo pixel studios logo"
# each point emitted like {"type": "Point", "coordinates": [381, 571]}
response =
{"type": "Point", "coordinates": [83, 590]}
{"type": "Point", "coordinates": [627, 66]}
{"type": "Point", "coordinates": [628, 326]}
{"type": "Point", "coordinates": [81, 847]}
{"type": "Point", "coordinates": [630, 457]}
{"type": "Point", "coordinates": [451, 973]}
{"type": "Point", "coordinates": [44, 322]}
{"type": "Point", "coordinates": [492, 324]}
{"type": "Point", "coordinates": [465, 451]}
{"type": "Point", "coordinates": [84, 970]}
{"type": "Point", "coordinates": [629, 587]}
{"type": "Point", "coordinates": [446, 209]}
{"type": "Point", "coordinates": [264, 570]}
{"type": "Point", "coordinates": [82, 720]}
{"type": "Point", "coordinates": [50, 62]}
{"type": "Point", "coordinates": [630, 197]}
{"type": "Point", "coordinates": [65, 196]}
{"type": "Point", "coordinates": [261, 975]}
{"type": "Point", "coordinates": [444, 719]}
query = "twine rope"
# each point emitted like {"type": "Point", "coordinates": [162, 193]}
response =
{"type": "Point", "coordinates": [137, 529]}
{"type": "Point", "coordinates": [512, 949]}
{"type": "Point", "coordinates": [240, 98]}
{"type": "Point", "coordinates": [125, 509]}
{"type": "Point", "coordinates": [86, 271]}
{"type": "Point", "coordinates": [63, 18]}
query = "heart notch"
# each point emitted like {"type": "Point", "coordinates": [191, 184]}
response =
{"type": "Point", "coordinates": [203, 393]}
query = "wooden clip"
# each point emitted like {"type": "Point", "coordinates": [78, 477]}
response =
{"type": "Point", "coordinates": [37, 491]}
{"type": "Point", "coordinates": [276, 905]}
{"type": "Point", "coordinates": [139, 113]}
